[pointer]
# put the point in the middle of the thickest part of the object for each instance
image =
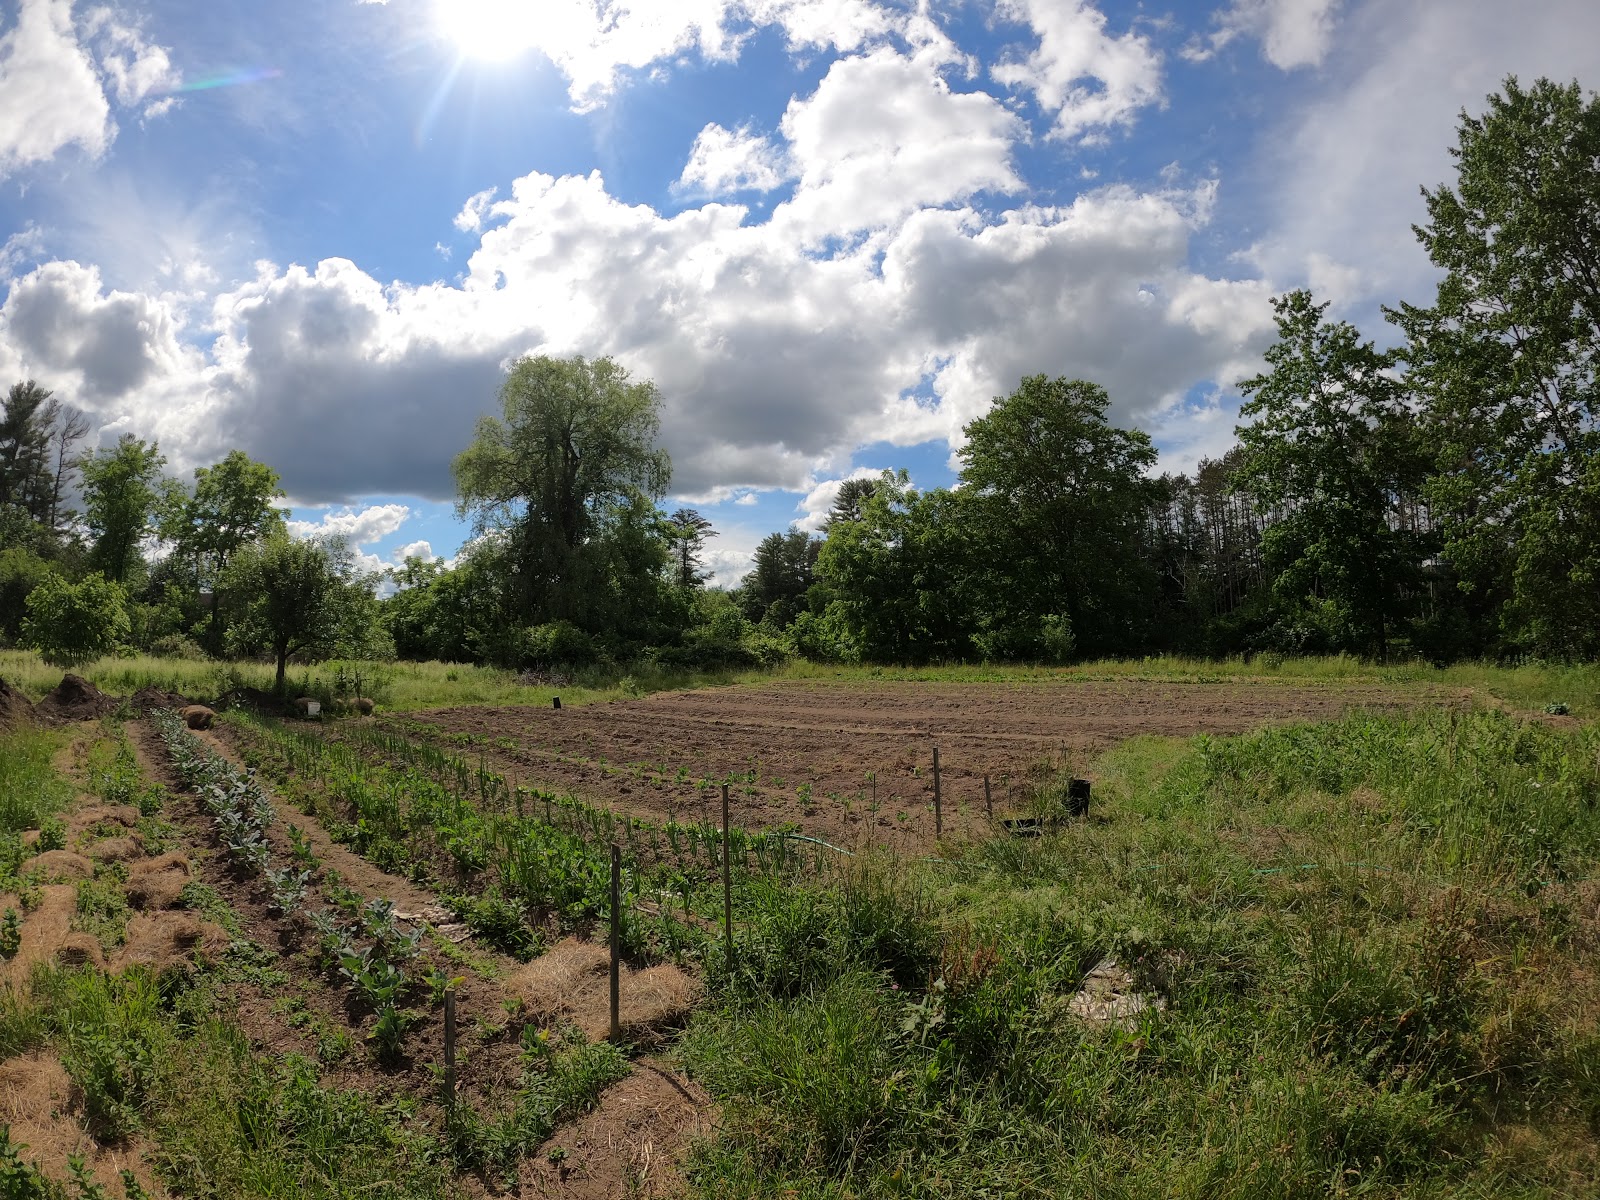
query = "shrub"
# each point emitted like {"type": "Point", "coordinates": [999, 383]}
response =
{"type": "Point", "coordinates": [70, 624]}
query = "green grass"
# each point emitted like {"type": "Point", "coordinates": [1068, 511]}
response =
{"type": "Point", "coordinates": [406, 686]}
{"type": "Point", "coordinates": [399, 686]}
{"type": "Point", "coordinates": [1372, 937]}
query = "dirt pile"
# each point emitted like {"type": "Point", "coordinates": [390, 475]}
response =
{"type": "Point", "coordinates": [572, 982]}
{"type": "Point", "coordinates": [149, 699]}
{"type": "Point", "coordinates": [76, 699]}
{"type": "Point", "coordinates": [15, 708]}
{"type": "Point", "coordinates": [631, 1147]}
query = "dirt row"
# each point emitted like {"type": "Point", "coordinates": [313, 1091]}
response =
{"type": "Point", "coordinates": [631, 1144]}
{"type": "Point", "coordinates": [854, 762]}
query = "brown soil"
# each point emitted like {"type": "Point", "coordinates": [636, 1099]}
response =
{"type": "Point", "coordinates": [15, 708]}
{"type": "Point", "coordinates": [632, 1145]}
{"type": "Point", "coordinates": [147, 699]}
{"type": "Point", "coordinates": [854, 763]}
{"type": "Point", "coordinates": [40, 1104]}
{"type": "Point", "coordinates": [318, 1005]}
{"type": "Point", "coordinates": [571, 982]}
{"type": "Point", "coordinates": [76, 699]}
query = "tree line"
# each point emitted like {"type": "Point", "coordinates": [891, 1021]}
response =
{"type": "Point", "coordinates": [1440, 498]}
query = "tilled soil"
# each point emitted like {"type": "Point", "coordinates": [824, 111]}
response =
{"type": "Point", "coordinates": [854, 762]}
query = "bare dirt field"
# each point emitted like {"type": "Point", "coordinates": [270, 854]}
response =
{"type": "Point", "coordinates": [854, 762]}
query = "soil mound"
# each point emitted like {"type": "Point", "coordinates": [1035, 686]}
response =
{"type": "Point", "coordinates": [15, 708]}
{"type": "Point", "coordinates": [76, 699]}
{"type": "Point", "coordinates": [631, 1147]}
{"type": "Point", "coordinates": [148, 699]}
{"type": "Point", "coordinates": [164, 938]}
{"type": "Point", "coordinates": [156, 883]}
{"type": "Point", "coordinates": [59, 864]}
{"type": "Point", "coordinates": [572, 982]}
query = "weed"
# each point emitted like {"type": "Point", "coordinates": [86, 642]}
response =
{"type": "Point", "coordinates": [10, 934]}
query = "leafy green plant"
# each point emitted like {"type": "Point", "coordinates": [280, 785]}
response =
{"type": "Point", "coordinates": [10, 934]}
{"type": "Point", "coordinates": [52, 834]}
{"type": "Point", "coordinates": [20, 1180]}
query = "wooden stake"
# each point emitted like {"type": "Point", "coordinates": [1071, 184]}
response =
{"type": "Point", "coordinates": [988, 800]}
{"type": "Point", "coordinates": [616, 942]}
{"type": "Point", "coordinates": [450, 1048]}
{"type": "Point", "coordinates": [727, 877]}
{"type": "Point", "coordinates": [938, 799]}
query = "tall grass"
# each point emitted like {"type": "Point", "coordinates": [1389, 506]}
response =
{"type": "Point", "coordinates": [397, 685]}
{"type": "Point", "coordinates": [1371, 939]}
{"type": "Point", "coordinates": [30, 788]}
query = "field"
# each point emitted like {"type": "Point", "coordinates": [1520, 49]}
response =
{"type": "Point", "coordinates": [852, 762]}
{"type": "Point", "coordinates": [1328, 930]}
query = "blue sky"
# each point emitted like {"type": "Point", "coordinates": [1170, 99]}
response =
{"type": "Point", "coordinates": [830, 230]}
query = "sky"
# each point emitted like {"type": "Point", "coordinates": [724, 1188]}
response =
{"type": "Point", "coordinates": [832, 232]}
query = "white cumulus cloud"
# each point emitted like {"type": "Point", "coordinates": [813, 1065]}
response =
{"type": "Point", "coordinates": [58, 79]}
{"type": "Point", "coordinates": [731, 160]}
{"type": "Point", "coordinates": [1088, 79]}
{"type": "Point", "coordinates": [1293, 33]}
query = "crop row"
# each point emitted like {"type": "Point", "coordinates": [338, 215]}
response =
{"type": "Point", "coordinates": [361, 942]}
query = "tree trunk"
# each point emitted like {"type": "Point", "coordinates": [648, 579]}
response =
{"type": "Point", "coordinates": [283, 663]}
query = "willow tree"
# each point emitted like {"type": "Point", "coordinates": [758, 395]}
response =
{"type": "Point", "coordinates": [563, 481]}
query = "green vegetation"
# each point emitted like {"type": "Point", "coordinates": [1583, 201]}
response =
{"type": "Point", "coordinates": [1368, 938]}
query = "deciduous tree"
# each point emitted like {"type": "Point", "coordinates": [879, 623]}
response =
{"type": "Point", "coordinates": [1505, 358]}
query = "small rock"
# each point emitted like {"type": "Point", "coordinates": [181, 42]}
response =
{"type": "Point", "coordinates": [1107, 997]}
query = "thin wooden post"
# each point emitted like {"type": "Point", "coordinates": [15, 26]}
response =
{"type": "Point", "coordinates": [727, 877]}
{"type": "Point", "coordinates": [616, 942]}
{"type": "Point", "coordinates": [938, 798]}
{"type": "Point", "coordinates": [988, 799]}
{"type": "Point", "coordinates": [450, 1048]}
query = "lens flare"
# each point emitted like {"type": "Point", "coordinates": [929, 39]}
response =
{"type": "Point", "coordinates": [229, 79]}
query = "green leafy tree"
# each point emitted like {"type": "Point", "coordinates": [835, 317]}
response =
{"type": "Point", "coordinates": [560, 472]}
{"type": "Point", "coordinates": [1331, 448]}
{"type": "Point", "coordinates": [292, 597]}
{"type": "Point", "coordinates": [120, 492]}
{"type": "Point", "coordinates": [21, 570]}
{"type": "Point", "coordinates": [70, 624]}
{"type": "Point", "coordinates": [1505, 359]}
{"type": "Point", "coordinates": [230, 506]}
{"type": "Point", "coordinates": [897, 578]}
{"type": "Point", "coordinates": [1061, 502]}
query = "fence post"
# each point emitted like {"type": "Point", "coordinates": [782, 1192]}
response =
{"type": "Point", "coordinates": [938, 798]}
{"type": "Point", "coordinates": [988, 799]}
{"type": "Point", "coordinates": [616, 942]}
{"type": "Point", "coordinates": [727, 877]}
{"type": "Point", "coordinates": [450, 1048]}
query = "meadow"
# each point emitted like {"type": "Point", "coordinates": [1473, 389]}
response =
{"type": "Point", "coordinates": [1353, 956]}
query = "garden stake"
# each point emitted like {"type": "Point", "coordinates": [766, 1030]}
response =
{"type": "Point", "coordinates": [988, 800]}
{"type": "Point", "coordinates": [938, 811]}
{"type": "Point", "coordinates": [727, 879]}
{"type": "Point", "coordinates": [616, 942]}
{"type": "Point", "coordinates": [450, 1048]}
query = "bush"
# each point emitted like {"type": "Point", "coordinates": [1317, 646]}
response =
{"type": "Point", "coordinates": [70, 624]}
{"type": "Point", "coordinates": [557, 643]}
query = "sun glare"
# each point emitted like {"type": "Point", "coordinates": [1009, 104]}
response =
{"type": "Point", "coordinates": [489, 29]}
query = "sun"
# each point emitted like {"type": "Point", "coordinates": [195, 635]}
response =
{"type": "Point", "coordinates": [492, 30]}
